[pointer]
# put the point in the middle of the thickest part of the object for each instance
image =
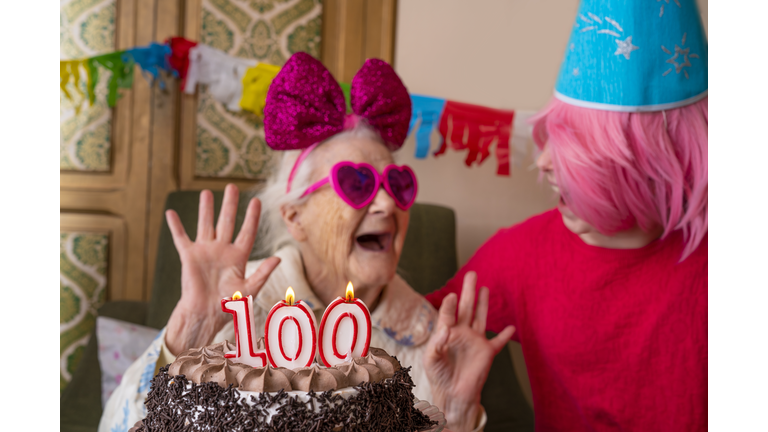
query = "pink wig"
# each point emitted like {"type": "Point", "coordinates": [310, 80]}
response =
{"type": "Point", "coordinates": [617, 169]}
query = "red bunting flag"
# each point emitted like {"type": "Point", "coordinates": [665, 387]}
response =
{"type": "Point", "coordinates": [179, 58]}
{"type": "Point", "coordinates": [477, 128]}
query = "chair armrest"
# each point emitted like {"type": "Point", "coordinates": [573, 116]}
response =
{"type": "Point", "coordinates": [134, 312]}
{"type": "Point", "coordinates": [80, 402]}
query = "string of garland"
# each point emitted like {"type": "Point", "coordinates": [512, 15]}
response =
{"type": "Point", "coordinates": [240, 83]}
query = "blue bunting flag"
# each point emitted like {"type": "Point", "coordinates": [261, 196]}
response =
{"type": "Point", "coordinates": [428, 109]}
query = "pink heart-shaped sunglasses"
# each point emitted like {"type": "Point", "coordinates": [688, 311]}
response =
{"type": "Point", "coordinates": [357, 184]}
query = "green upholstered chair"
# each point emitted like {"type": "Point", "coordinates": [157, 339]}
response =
{"type": "Point", "coordinates": [428, 261]}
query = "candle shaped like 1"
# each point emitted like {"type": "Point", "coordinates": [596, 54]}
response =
{"type": "Point", "coordinates": [345, 330]}
{"type": "Point", "coordinates": [241, 309]}
{"type": "Point", "coordinates": [290, 335]}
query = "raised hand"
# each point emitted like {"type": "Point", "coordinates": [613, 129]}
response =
{"type": "Point", "coordinates": [212, 267]}
{"type": "Point", "coordinates": [458, 356]}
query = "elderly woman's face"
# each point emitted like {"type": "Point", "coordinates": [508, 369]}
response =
{"type": "Point", "coordinates": [362, 245]}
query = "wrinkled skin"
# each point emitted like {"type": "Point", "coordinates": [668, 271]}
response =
{"type": "Point", "coordinates": [458, 356]}
{"type": "Point", "coordinates": [328, 229]}
{"type": "Point", "coordinates": [325, 227]}
{"type": "Point", "coordinates": [334, 240]}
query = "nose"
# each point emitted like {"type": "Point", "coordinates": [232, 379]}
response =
{"type": "Point", "coordinates": [544, 161]}
{"type": "Point", "coordinates": [382, 203]}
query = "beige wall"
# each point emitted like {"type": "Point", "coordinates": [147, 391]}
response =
{"type": "Point", "coordinates": [498, 53]}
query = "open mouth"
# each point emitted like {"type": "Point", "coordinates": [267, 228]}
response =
{"type": "Point", "coordinates": [375, 242]}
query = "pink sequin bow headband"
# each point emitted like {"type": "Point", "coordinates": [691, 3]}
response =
{"type": "Point", "coordinates": [305, 104]}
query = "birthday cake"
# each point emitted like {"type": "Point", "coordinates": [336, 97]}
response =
{"type": "Point", "coordinates": [202, 390]}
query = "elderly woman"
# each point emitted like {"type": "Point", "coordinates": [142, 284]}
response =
{"type": "Point", "coordinates": [334, 212]}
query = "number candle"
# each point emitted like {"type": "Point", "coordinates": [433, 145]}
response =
{"type": "Point", "coordinates": [345, 330]}
{"type": "Point", "coordinates": [291, 336]}
{"type": "Point", "coordinates": [241, 309]}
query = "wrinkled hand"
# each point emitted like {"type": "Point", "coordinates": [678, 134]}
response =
{"type": "Point", "coordinates": [458, 356]}
{"type": "Point", "coordinates": [212, 267]}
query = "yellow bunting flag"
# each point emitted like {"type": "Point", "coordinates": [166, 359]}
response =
{"type": "Point", "coordinates": [70, 69]}
{"type": "Point", "coordinates": [256, 82]}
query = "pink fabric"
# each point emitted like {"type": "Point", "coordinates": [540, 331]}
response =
{"type": "Point", "coordinates": [305, 104]}
{"type": "Point", "coordinates": [614, 340]}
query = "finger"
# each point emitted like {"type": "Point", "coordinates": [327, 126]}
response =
{"type": "Point", "coordinates": [481, 311]}
{"type": "Point", "coordinates": [501, 339]}
{"type": "Point", "coordinates": [467, 300]}
{"type": "Point", "coordinates": [247, 234]}
{"type": "Point", "coordinates": [447, 313]}
{"type": "Point", "coordinates": [436, 346]}
{"type": "Point", "coordinates": [180, 238]}
{"type": "Point", "coordinates": [446, 319]}
{"type": "Point", "coordinates": [255, 281]}
{"type": "Point", "coordinates": [205, 217]}
{"type": "Point", "coordinates": [225, 226]}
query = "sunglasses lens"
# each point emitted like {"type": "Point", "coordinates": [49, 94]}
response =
{"type": "Point", "coordinates": [356, 183]}
{"type": "Point", "coordinates": [403, 185]}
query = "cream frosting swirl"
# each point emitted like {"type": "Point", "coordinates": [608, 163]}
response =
{"type": "Point", "coordinates": [358, 373]}
{"type": "Point", "coordinates": [208, 364]}
{"type": "Point", "coordinates": [265, 379]}
{"type": "Point", "coordinates": [318, 379]}
{"type": "Point", "coordinates": [385, 362]}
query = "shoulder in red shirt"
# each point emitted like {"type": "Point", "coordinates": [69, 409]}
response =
{"type": "Point", "coordinates": [613, 339]}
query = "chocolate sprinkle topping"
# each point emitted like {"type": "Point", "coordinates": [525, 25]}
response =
{"type": "Point", "coordinates": [385, 406]}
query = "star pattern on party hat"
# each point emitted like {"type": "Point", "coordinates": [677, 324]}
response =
{"type": "Point", "coordinates": [661, 11]}
{"type": "Point", "coordinates": [625, 47]}
{"type": "Point", "coordinates": [609, 27]}
{"type": "Point", "coordinates": [622, 54]}
{"type": "Point", "coordinates": [679, 66]}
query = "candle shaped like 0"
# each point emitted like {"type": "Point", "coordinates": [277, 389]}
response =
{"type": "Point", "coordinates": [241, 309]}
{"type": "Point", "coordinates": [290, 336]}
{"type": "Point", "coordinates": [345, 330]}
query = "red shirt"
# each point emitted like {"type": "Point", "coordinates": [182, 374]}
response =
{"type": "Point", "coordinates": [614, 340]}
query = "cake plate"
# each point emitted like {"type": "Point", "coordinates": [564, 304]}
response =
{"type": "Point", "coordinates": [433, 413]}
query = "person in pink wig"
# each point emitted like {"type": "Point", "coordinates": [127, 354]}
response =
{"type": "Point", "coordinates": [608, 292]}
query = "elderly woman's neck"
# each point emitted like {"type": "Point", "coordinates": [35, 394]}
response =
{"type": "Point", "coordinates": [327, 285]}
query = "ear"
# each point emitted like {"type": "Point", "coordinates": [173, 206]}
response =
{"type": "Point", "coordinates": [291, 215]}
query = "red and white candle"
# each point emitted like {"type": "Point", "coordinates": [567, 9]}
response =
{"type": "Point", "coordinates": [241, 309]}
{"type": "Point", "coordinates": [345, 330]}
{"type": "Point", "coordinates": [290, 335]}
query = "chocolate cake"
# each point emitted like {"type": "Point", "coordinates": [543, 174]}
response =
{"type": "Point", "coordinates": [204, 391]}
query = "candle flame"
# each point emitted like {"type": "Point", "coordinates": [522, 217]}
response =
{"type": "Point", "coordinates": [290, 296]}
{"type": "Point", "coordinates": [237, 295]}
{"type": "Point", "coordinates": [350, 292]}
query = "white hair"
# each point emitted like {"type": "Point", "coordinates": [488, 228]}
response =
{"type": "Point", "coordinates": [273, 234]}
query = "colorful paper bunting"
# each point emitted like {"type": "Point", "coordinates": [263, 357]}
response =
{"type": "Point", "coordinates": [476, 128]}
{"type": "Point", "coordinates": [122, 75]}
{"type": "Point", "coordinates": [70, 69]}
{"type": "Point", "coordinates": [255, 85]}
{"type": "Point", "coordinates": [152, 59]}
{"type": "Point", "coordinates": [428, 110]}
{"type": "Point", "coordinates": [243, 83]}
{"type": "Point", "coordinates": [179, 59]}
{"type": "Point", "coordinates": [222, 73]}
{"type": "Point", "coordinates": [346, 88]}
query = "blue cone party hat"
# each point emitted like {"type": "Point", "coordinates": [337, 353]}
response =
{"type": "Point", "coordinates": [635, 55]}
